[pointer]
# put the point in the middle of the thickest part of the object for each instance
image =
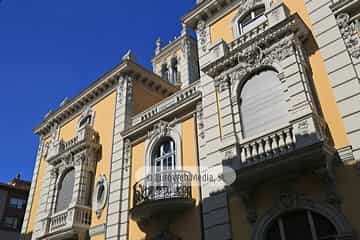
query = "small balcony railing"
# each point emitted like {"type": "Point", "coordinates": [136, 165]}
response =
{"type": "Point", "coordinates": [164, 185]}
{"type": "Point", "coordinates": [86, 135]}
{"type": "Point", "coordinates": [78, 216]}
{"type": "Point", "coordinates": [161, 193]}
{"type": "Point", "coordinates": [180, 96]}
{"type": "Point", "coordinates": [300, 146]}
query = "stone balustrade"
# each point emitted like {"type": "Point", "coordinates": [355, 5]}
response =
{"type": "Point", "coordinates": [78, 216]}
{"type": "Point", "coordinates": [167, 103]}
{"type": "Point", "coordinates": [284, 140]}
{"type": "Point", "coordinates": [85, 134]}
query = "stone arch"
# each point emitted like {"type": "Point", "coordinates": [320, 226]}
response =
{"type": "Point", "coordinates": [333, 214]}
{"type": "Point", "coordinates": [163, 130]}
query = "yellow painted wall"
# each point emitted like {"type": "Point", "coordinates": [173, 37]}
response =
{"type": "Point", "coordinates": [188, 225]}
{"type": "Point", "coordinates": [103, 124]}
{"type": "Point", "coordinates": [138, 155]}
{"type": "Point", "coordinates": [190, 221]}
{"type": "Point", "coordinates": [143, 98]}
{"type": "Point", "coordinates": [98, 237]}
{"type": "Point", "coordinates": [37, 191]}
{"type": "Point", "coordinates": [222, 29]}
{"type": "Point", "coordinates": [322, 81]}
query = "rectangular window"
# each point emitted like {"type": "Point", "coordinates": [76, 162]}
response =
{"type": "Point", "coordinates": [11, 222]}
{"type": "Point", "coordinates": [17, 203]}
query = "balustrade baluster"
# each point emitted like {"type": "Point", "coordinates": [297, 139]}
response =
{"type": "Point", "coordinates": [282, 147]}
{"type": "Point", "coordinates": [274, 144]}
{"type": "Point", "coordinates": [260, 149]}
{"type": "Point", "coordinates": [254, 151]}
{"type": "Point", "coordinates": [267, 147]}
{"type": "Point", "coordinates": [288, 139]}
{"type": "Point", "coordinates": [243, 155]}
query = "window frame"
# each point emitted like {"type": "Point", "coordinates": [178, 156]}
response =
{"type": "Point", "coordinates": [279, 222]}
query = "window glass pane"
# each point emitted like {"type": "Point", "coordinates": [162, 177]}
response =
{"type": "Point", "coordinates": [263, 105]}
{"type": "Point", "coordinates": [246, 20]}
{"type": "Point", "coordinates": [297, 226]}
{"type": "Point", "coordinates": [17, 203]}
{"type": "Point", "coordinates": [65, 191]}
{"type": "Point", "coordinates": [11, 222]}
{"type": "Point", "coordinates": [325, 230]}
{"type": "Point", "coordinates": [259, 11]}
{"type": "Point", "coordinates": [273, 232]}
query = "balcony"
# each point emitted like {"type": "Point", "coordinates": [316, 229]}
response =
{"type": "Point", "coordinates": [162, 196]}
{"type": "Point", "coordinates": [301, 146]}
{"type": "Point", "coordinates": [171, 102]}
{"type": "Point", "coordinates": [73, 222]}
{"type": "Point", "coordinates": [86, 137]}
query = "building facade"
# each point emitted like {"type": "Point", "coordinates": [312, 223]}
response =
{"type": "Point", "coordinates": [251, 130]}
{"type": "Point", "coordinates": [13, 198]}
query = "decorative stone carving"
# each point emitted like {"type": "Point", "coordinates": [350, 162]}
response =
{"type": "Point", "coordinates": [86, 118]}
{"type": "Point", "coordinates": [349, 34]}
{"type": "Point", "coordinates": [253, 58]}
{"type": "Point", "coordinates": [288, 200]}
{"type": "Point", "coordinates": [127, 154]}
{"type": "Point", "coordinates": [202, 34]}
{"type": "Point", "coordinates": [200, 120]}
{"type": "Point", "coordinates": [160, 129]}
{"type": "Point", "coordinates": [100, 195]}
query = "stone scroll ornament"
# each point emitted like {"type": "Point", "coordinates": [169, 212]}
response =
{"type": "Point", "coordinates": [349, 34]}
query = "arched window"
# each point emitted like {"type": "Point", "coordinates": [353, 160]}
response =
{"type": "Point", "coordinates": [174, 71]}
{"type": "Point", "coordinates": [65, 190]}
{"type": "Point", "coordinates": [300, 225]}
{"type": "Point", "coordinates": [262, 104]}
{"type": "Point", "coordinates": [163, 156]}
{"type": "Point", "coordinates": [252, 19]}
{"type": "Point", "coordinates": [165, 72]}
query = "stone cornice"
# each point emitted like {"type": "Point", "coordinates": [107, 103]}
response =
{"type": "Point", "coordinates": [105, 83]}
{"type": "Point", "coordinates": [205, 10]}
{"type": "Point", "coordinates": [254, 47]}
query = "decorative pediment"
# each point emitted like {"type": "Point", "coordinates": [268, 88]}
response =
{"type": "Point", "coordinates": [160, 129]}
{"type": "Point", "coordinates": [254, 58]}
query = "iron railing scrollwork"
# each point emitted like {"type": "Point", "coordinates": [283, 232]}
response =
{"type": "Point", "coordinates": [174, 184]}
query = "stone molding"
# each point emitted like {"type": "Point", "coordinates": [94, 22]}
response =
{"type": "Point", "coordinates": [100, 204]}
{"type": "Point", "coordinates": [290, 201]}
{"type": "Point", "coordinates": [102, 86]}
{"type": "Point", "coordinates": [349, 34]}
{"type": "Point", "coordinates": [97, 230]}
{"type": "Point", "coordinates": [268, 47]}
{"type": "Point", "coordinates": [163, 129]}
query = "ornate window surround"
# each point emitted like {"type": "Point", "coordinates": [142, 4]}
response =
{"type": "Point", "coordinates": [238, 86]}
{"type": "Point", "coordinates": [100, 204]}
{"type": "Point", "coordinates": [87, 112]}
{"type": "Point", "coordinates": [163, 129]}
{"type": "Point", "coordinates": [292, 201]}
{"type": "Point", "coordinates": [246, 7]}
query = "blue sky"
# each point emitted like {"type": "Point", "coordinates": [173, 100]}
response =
{"type": "Point", "coordinates": [50, 50]}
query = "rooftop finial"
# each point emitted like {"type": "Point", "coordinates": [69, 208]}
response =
{"type": "Point", "coordinates": [129, 56]}
{"type": "Point", "coordinates": [184, 29]}
{"type": "Point", "coordinates": [158, 46]}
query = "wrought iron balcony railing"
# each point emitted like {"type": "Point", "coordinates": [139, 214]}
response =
{"type": "Point", "coordinates": [162, 196]}
{"type": "Point", "coordinates": [163, 185]}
